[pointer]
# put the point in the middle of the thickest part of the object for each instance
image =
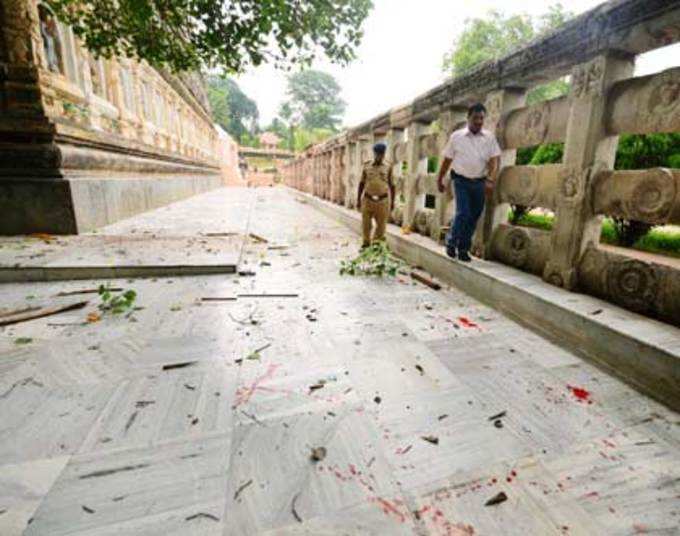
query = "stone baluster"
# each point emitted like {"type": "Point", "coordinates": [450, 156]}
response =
{"type": "Point", "coordinates": [348, 172]}
{"type": "Point", "coordinates": [414, 166]}
{"type": "Point", "coordinates": [588, 149]}
{"type": "Point", "coordinates": [498, 103]}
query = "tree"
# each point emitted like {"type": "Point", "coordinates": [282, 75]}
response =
{"type": "Point", "coordinates": [491, 38]}
{"type": "Point", "coordinates": [313, 101]}
{"type": "Point", "coordinates": [233, 110]}
{"type": "Point", "coordinates": [195, 34]}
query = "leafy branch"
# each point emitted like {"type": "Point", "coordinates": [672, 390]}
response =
{"type": "Point", "coordinates": [116, 302]}
{"type": "Point", "coordinates": [376, 259]}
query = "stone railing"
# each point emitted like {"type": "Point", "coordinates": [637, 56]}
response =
{"type": "Point", "coordinates": [597, 50]}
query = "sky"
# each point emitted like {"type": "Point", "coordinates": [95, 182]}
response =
{"type": "Point", "coordinates": [401, 54]}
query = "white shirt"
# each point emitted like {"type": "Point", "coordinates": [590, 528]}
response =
{"type": "Point", "coordinates": [470, 153]}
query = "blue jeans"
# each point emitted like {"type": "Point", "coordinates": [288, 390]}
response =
{"type": "Point", "coordinates": [469, 205]}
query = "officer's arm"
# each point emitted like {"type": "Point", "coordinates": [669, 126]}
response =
{"type": "Point", "coordinates": [444, 168]}
{"type": "Point", "coordinates": [361, 187]}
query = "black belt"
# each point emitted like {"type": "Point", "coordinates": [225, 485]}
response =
{"type": "Point", "coordinates": [376, 197]}
{"type": "Point", "coordinates": [467, 178]}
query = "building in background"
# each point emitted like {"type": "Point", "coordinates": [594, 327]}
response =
{"type": "Point", "coordinates": [269, 141]}
{"type": "Point", "coordinates": [86, 141]}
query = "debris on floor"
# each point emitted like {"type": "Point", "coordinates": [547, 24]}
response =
{"type": "Point", "coordinates": [318, 454]}
{"type": "Point", "coordinates": [426, 281]}
{"type": "Point", "coordinates": [31, 313]}
{"type": "Point", "coordinates": [497, 499]}
{"type": "Point", "coordinates": [431, 439]}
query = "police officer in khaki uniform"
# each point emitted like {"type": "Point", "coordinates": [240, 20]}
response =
{"type": "Point", "coordinates": [376, 195]}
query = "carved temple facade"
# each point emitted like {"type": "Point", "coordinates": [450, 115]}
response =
{"type": "Point", "coordinates": [597, 50]}
{"type": "Point", "coordinates": [85, 141]}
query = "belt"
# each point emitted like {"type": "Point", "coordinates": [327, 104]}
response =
{"type": "Point", "coordinates": [377, 197]}
{"type": "Point", "coordinates": [467, 178]}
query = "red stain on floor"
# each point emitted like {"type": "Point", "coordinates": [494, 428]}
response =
{"type": "Point", "coordinates": [581, 394]}
{"type": "Point", "coordinates": [244, 394]}
{"type": "Point", "coordinates": [467, 323]}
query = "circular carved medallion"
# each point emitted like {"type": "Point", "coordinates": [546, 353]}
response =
{"type": "Point", "coordinates": [632, 283]}
{"type": "Point", "coordinates": [516, 246]}
{"type": "Point", "coordinates": [653, 197]}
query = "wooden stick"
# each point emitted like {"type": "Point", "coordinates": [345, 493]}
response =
{"type": "Point", "coordinates": [258, 238]}
{"type": "Point", "coordinates": [87, 291]}
{"type": "Point", "coordinates": [40, 313]}
{"type": "Point", "coordinates": [426, 281]}
{"type": "Point", "coordinates": [226, 298]}
{"type": "Point", "coordinates": [268, 295]}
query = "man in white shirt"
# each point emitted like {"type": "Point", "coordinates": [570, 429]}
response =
{"type": "Point", "coordinates": [475, 155]}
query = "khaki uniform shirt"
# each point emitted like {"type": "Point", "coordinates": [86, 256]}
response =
{"type": "Point", "coordinates": [376, 178]}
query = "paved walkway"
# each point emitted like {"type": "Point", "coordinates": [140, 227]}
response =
{"type": "Point", "coordinates": [198, 417]}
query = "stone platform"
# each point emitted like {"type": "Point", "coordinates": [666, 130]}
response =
{"type": "Point", "coordinates": [198, 415]}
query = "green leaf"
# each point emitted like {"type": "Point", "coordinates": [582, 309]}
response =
{"type": "Point", "coordinates": [23, 340]}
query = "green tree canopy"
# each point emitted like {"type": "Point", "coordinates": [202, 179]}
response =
{"type": "Point", "coordinates": [313, 101]}
{"type": "Point", "coordinates": [495, 35]}
{"type": "Point", "coordinates": [233, 34]}
{"type": "Point", "coordinates": [232, 109]}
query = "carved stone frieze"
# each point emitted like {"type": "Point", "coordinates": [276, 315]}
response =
{"type": "Point", "coordinates": [517, 247]}
{"type": "Point", "coordinates": [653, 197]}
{"type": "Point", "coordinates": [536, 125]}
{"type": "Point", "coordinates": [662, 102]}
{"type": "Point", "coordinates": [587, 80]}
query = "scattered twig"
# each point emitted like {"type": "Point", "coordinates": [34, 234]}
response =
{"type": "Point", "coordinates": [202, 514]}
{"type": "Point", "coordinates": [596, 312]}
{"type": "Point", "coordinates": [426, 281]}
{"type": "Point", "coordinates": [253, 417]}
{"type": "Point", "coordinates": [431, 439]}
{"type": "Point", "coordinates": [86, 291]}
{"type": "Point", "coordinates": [241, 488]}
{"type": "Point", "coordinates": [221, 234]}
{"type": "Point", "coordinates": [497, 499]}
{"type": "Point", "coordinates": [442, 417]}
{"type": "Point", "coordinates": [268, 296]}
{"type": "Point", "coordinates": [316, 386]}
{"type": "Point", "coordinates": [294, 511]}
{"type": "Point", "coordinates": [258, 238]}
{"type": "Point", "coordinates": [420, 369]}
{"type": "Point", "coordinates": [179, 365]}
{"type": "Point", "coordinates": [86, 509]}
{"type": "Point", "coordinates": [38, 312]}
{"type": "Point", "coordinates": [498, 415]}
{"type": "Point", "coordinates": [216, 298]}
{"type": "Point", "coordinates": [277, 247]}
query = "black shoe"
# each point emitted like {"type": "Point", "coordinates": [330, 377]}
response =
{"type": "Point", "coordinates": [463, 256]}
{"type": "Point", "coordinates": [451, 252]}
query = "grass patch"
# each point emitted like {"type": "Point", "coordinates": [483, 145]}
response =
{"type": "Point", "coordinates": [661, 241]}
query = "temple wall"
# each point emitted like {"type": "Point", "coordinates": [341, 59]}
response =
{"type": "Point", "coordinates": [597, 51]}
{"type": "Point", "coordinates": [80, 132]}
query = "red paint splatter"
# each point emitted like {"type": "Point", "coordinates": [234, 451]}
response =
{"type": "Point", "coordinates": [352, 469]}
{"type": "Point", "coordinates": [513, 473]}
{"type": "Point", "coordinates": [389, 508]}
{"type": "Point", "coordinates": [244, 394]}
{"type": "Point", "coordinates": [592, 494]}
{"type": "Point", "coordinates": [466, 322]}
{"type": "Point", "coordinates": [582, 395]}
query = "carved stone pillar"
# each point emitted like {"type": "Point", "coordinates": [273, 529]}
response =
{"type": "Point", "coordinates": [588, 149]}
{"type": "Point", "coordinates": [392, 138]}
{"type": "Point", "coordinates": [413, 164]}
{"type": "Point", "coordinates": [497, 103]}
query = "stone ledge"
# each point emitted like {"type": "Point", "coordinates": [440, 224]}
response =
{"type": "Point", "coordinates": [641, 351]}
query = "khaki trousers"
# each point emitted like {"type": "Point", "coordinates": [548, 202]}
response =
{"type": "Point", "coordinates": [374, 210]}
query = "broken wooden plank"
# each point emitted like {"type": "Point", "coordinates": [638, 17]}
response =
{"type": "Point", "coordinates": [40, 312]}
{"type": "Point", "coordinates": [426, 281]}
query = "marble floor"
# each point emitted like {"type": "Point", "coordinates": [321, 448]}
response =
{"type": "Point", "coordinates": [291, 400]}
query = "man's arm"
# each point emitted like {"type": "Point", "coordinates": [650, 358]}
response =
{"type": "Point", "coordinates": [361, 188]}
{"type": "Point", "coordinates": [443, 170]}
{"type": "Point", "coordinates": [492, 173]}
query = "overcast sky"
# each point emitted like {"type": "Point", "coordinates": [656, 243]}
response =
{"type": "Point", "coordinates": [401, 54]}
